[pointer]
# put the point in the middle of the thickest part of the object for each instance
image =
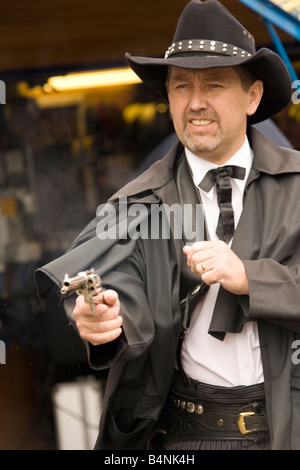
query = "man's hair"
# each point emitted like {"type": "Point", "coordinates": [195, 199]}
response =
{"type": "Point", "coordinates": [246, 77]}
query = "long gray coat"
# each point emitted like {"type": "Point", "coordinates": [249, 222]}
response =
{"type": "Point", "coordinates": [146, 273]}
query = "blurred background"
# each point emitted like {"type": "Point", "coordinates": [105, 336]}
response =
{"type": "Point", "coordinates": [63, 150]}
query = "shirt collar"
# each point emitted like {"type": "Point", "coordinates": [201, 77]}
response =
{"type": "Point", "coordinates": [200, 167]}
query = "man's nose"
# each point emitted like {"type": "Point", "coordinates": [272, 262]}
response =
{"type": "Point", "coordinates": [198, 100]}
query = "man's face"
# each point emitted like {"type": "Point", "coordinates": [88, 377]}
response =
{"type": "Point", "coordinates": [209, 109]}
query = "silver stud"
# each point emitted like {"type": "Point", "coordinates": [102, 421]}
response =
{"type": "Point", "coordinates": [190, 407]}
{"type": "Point", "coordinates": [199, 409]}
{"type": "Point", "coordinates": [202, 42]}
{"type": "Point", "coordinates": [212, 48]}
{"type": "Point", "coordinates": [212, 43]}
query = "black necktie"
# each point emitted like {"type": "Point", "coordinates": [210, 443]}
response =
{"type": "Point", "coordinates": [221, 176]}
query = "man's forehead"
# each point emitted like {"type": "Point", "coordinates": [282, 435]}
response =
{"type": "Point", "coordinates": [215, 73]}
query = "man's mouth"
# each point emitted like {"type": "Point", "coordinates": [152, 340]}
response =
{"type": "Point", "coordinates": [201, 122]}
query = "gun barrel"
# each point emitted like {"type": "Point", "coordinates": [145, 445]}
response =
{"type": "Point", "coordinates": [85, 283]}
{"type": "Point", "coordinates": [73, 283]}
{"type": "Point", "coordinates": [85, 280]}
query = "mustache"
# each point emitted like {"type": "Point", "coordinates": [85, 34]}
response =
{"type": "Point", "coordinates": [203, 115]}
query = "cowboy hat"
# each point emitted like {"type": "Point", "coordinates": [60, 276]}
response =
{"type": "Point", "coordinates": [207, 35]}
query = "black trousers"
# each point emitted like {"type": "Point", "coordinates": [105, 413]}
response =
{"type": "Point", "coordinates": [184, 430]}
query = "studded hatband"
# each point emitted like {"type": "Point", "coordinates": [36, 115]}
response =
{"type": "Point", "coordinates": [205, 45]}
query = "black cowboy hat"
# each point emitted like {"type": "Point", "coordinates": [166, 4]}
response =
{"type": "Point", "coordinates": [207, 35]}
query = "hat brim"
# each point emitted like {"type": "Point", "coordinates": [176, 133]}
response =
{"type": "Point", "coordinates": [264, 64]}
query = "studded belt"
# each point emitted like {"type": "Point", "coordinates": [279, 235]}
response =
{"type": "Point", "coordinates": [218, 417]}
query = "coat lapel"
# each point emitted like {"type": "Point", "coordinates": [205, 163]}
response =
{"type": "Point", "coordinates": [258, 213]}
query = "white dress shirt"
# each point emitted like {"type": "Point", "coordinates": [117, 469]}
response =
{"type": "Point", "coordinates": [236, 360]}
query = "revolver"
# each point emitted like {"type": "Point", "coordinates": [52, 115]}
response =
{"type": "Point", "coordinates": [85, 283]}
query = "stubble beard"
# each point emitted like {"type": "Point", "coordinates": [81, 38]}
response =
{"type": "Point", "coordinates": [201, 144]}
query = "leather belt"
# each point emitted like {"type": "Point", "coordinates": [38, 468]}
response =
{"type": "Point", "coordinates": [217, 417]}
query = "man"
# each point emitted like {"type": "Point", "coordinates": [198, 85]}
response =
{"type": "Point", "coordinates": [200, 335]}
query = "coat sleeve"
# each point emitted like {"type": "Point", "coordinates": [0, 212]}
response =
{"type": "Point", "coordinates": [274, 292]}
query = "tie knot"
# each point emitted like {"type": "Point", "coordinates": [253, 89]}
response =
{"type": "Point", "coordinates": [212, 176]}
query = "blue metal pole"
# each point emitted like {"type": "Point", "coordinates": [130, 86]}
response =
{"type": "Point", "coordinates": [275, 15]}
{"type": "Point", "coordinates": [281, 50]}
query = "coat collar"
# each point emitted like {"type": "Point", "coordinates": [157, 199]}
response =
{"type": "Point", "coordinates": [271, 159]}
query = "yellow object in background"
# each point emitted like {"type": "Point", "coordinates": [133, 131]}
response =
{"type": "Point", "coordinates": [8, 207]}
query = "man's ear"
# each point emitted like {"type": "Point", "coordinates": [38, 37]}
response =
{"type": "Point", "coordinates": [255, 95]}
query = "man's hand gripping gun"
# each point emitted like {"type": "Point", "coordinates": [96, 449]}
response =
{"type": "Point", "coordinates": [85, 283]}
